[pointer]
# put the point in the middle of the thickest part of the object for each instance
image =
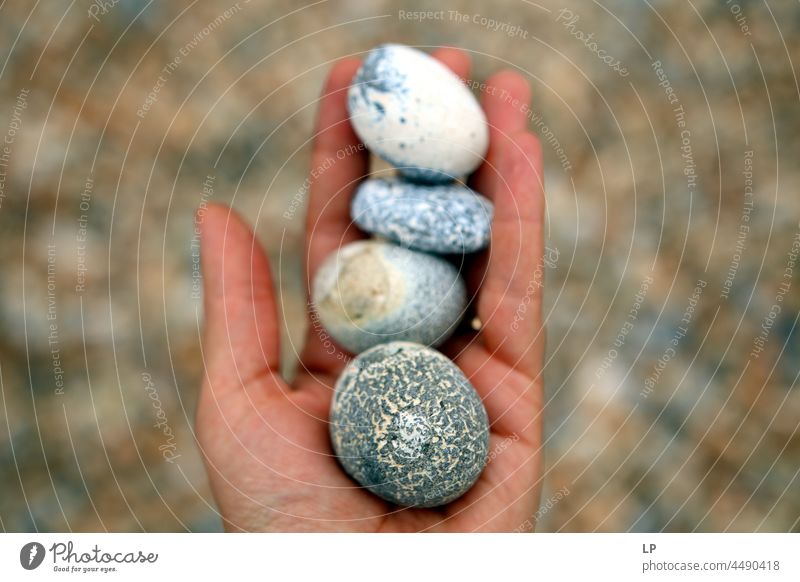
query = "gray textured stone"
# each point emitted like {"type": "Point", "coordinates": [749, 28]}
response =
{"type": "Point", "coordinates": [407, 425]}
{"type": "Point", "coordinates": [442, 219]}
{"type": "Point", "coordinates": [373, 292]}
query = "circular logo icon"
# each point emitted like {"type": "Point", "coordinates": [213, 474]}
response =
{"type": "Point", "coordinates": [31, 555]}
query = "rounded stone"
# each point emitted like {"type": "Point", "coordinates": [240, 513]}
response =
{"type": "Point", "coordinates": [373, 292]}
{"type": "Point", "coordinates": [415, 113]}
{"type": "Point", "coordinates": [448, 218]}
{"type": "Point", "coordinates": [407, 425]}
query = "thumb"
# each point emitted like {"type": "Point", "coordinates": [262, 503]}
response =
{"type": "Point", "coordinates": [241, 336]}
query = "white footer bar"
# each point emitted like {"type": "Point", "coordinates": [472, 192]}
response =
{"type": "Point", "coordinates": [387, 558]}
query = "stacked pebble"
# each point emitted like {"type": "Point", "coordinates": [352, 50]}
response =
{"type": "Point", "coordinates": [405, 421]}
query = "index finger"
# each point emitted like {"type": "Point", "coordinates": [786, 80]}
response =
{"type": "Point", "coordinates": [509, 303]}
{"type": "Point", "coordinates": [338, 162]}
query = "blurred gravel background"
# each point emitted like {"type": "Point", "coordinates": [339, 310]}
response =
{"type": "Point", "coordinates": [99, 182]}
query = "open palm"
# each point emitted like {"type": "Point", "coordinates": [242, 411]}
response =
{"type": "Point", "coordinates": [266, 443]}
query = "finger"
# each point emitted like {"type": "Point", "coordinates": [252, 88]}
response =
{"type": "Point", "coordinates": [454, 59]}
{"type": "Point", "coordinates": [339, 161]}
{"type": "Point", "coordinates": [505, 496]}
{"type": "Point", "coordinates": [241, 336]}
{"type": "Point", "coordinates": [512, 178]}
{"type": "Point", "coordinates": [506, 102]}
{"type": "Point", "coordinates": [509, 304]}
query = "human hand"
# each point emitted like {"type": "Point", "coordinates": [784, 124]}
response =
{"type": "Point", "coordinates": [265, 443]}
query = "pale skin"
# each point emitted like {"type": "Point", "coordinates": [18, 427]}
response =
{"type": "Point", "coordinates": [265, 443]}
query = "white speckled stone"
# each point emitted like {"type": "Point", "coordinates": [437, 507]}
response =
{"type": "Point", "coordinates": [372, 292]}
{"type": "Point", "coordinates": [407, 425]}
{"type": "Point", "coordinates": [415, 113]}
{"type": "Point", "coordinates": [447, 218]}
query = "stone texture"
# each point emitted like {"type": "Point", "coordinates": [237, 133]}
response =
{"type": "Point", "coordinates": [372, 292]}
{"type": "Point", "coordinates": [442, 219]}
{"type": "Point", "coordinates": [407, 425]}
{"type": "Point", "coordinates": [415, 113]}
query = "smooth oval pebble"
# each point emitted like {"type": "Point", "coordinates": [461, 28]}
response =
{"type": "Point", "coordinates": [407, 425]}
{"type": "Point", "coordinates": [449, 218]}
{"type": "Point", "coordinates": [415, 113]}
{"type": "Point", "coordinates": [373, 292]}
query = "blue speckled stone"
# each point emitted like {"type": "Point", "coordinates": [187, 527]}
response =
{"type": "Point", "coordinates": [373, 292]}
{"type": "Point", "coordinates": [441, 219]}
{"type": "Point", "coordinates": [407, 425]}
{"type": "Point", "coordinates": [415, 113]}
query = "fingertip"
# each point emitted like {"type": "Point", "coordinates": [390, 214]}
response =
{"type": "Point", "coordinates": [339, 162]}
{"type": "Point", "coordinates": [228, 246]}
{"type": "Point", "coordinates": [210, 212]}
{"type": "Point", "coordinates": [454, 59]}
{"type": "Point", "coordinates": [238, 299]}
{"type": "Point", "coordinates": [333, 99]}
{"type": "Point", "coordinates": [512, 83]}
{"type": "Point", "coordinates": [341, 74]}
{"type": "Point", "coordinates": [333, 102]}
{"type": "Point", "coordinates": [212, 222]}
{"type": "Point", "coordinates": [206, 221]}
{"type": "Point", "coordinates": [506, 102]}
{"type": "Point", "coordinates": [218, 220]}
